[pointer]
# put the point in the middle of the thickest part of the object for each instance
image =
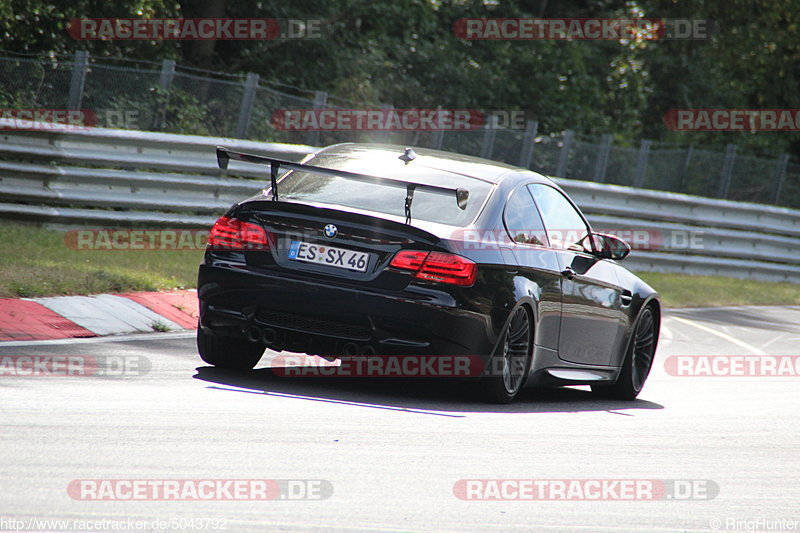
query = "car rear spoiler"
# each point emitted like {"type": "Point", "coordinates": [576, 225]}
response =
{"type": "Point", "coordinates": [224, 156]}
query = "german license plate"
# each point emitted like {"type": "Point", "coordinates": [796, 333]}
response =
{"type": "Point", "coordinates": [328, 255]}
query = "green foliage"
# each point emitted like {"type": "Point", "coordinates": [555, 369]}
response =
{"type": "Point", "coordinates": [40, 27]}
{"type": "Point", "coordinates": [160, 325]}
{"type": "Point", "coordinates": [185, 114]}
{"type": "Point", "coordinates": [751, 61]}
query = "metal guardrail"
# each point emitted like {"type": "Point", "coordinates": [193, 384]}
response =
{"type": "Point", "coordinates": [128, 176]}
{"type": "Point", "coordinates": [696, 235]}
{"type": "Point", "coordinates": [106, 178]}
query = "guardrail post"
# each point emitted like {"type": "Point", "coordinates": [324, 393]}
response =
{"type": "Point", "coordinates": [437, 137]}
{"type": "Point", "coordinates": [526, 150]}
{"type": "Point", "coordinates": [164, 83]}
{"type": "Point", "coordinates": [687, 162]}
{"type": "Point", "coordinates": [780, 176]}
{"type": "Point", "coordinates": [641, 163]}
{"type": "Point", "coordinates": [384, 135]}
{"type": "Point", "coordinates": [563, 157]}
{"type": "Point", "coordinates": [489, 131]}
{"type": "Point", "coordinates": [167, 73]}
{"type": "Point", "coordinates": [727, 171]}
{"type": "Point", "coordinates": [320, 101]}
{"type": "Point", "coordinates": [79, 68]}
{"type": "Point", "coordinates": [601, 164]}
{"type": "Point", "coordinates": [246, 108]}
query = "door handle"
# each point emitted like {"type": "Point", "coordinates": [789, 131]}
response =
{"type": "Point", "coordinates": [626, 298]}
{"type": "Point", "coordinates": [568, 273]}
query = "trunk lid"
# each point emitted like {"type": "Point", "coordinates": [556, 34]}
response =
{"type": "Point", "coordinates": [333, 244]}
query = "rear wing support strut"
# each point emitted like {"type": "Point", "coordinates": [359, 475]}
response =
{"type": "Point", "coordinates": [224, 156]}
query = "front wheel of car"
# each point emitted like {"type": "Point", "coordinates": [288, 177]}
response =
{"type": "Point", "coordinates": [228, 352]}
{"type": "Point", "coordinates": [509, 365]}
{"type": "Point", "coordinates": [638, 361]}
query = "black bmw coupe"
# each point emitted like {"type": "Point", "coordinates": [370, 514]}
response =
{"type": "Point", "coordinates": [376, 250]}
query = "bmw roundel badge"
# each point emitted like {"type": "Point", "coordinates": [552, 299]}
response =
{"type": "Point", "coordinates": [331, 231]}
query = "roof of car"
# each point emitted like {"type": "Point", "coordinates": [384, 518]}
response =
{"type": "Point", "coordinates": [474, 167]}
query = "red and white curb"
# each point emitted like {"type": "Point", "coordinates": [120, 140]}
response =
{"type": "Point", "coordinates": [63, 317]}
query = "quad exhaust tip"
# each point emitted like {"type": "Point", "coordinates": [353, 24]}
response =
{"type": "Point", "coordinates": [252, 334]}
{"type": "Point", "coordinates": [350, 348]}
{"type": "Point", "coordinates": [269, 336]}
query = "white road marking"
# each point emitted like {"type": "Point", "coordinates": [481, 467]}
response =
{"type": "Point", "coordinates": [665, 336]}
{"type": "Point", "coordinates": [721, 335]}
{"type": "Point", "coordinates": [331, 400]}
{"type": "Point", "coordinates": [775, 338]}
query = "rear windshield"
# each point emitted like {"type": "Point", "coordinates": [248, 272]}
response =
{"type": "Point", "coordinates": [427, 206]}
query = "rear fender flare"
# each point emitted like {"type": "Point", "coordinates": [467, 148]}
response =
{"type": "Point", "coordinates": [530, 304]}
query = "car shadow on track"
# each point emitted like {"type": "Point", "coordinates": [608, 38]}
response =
{"type": "Point", "coordinates": [441, 396]}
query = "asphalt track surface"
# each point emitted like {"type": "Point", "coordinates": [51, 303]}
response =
{"type": "Point", "coordinates": [392, 451]}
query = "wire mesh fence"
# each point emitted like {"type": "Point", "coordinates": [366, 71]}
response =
{"type": "Point", "coordinates": [167, 97]}
{"type": "Point", "coordinates": [30, 83]}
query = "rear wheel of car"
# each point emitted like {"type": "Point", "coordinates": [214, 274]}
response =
{"type": "Point", "coordinates": [638, 361]}
{"type": "Point", "coordinates": [228, 352]}
{"type": "Point", "coordinates": [509, 365]}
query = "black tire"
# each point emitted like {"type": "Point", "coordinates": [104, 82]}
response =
{"type": "Point", "coordinates": [228, 352]}
{"type": "Point", "coordinates": [638, 360]}
{"type": "Point", "coordinates": [508, 367]}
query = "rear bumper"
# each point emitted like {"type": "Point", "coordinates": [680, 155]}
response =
{"type": "Point", "coordinates": [325, 318]}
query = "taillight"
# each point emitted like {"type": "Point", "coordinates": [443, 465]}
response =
{"type": "Point", "coordinates": [231, 233]}
{"type": "Point", "coordinates": [408, 259]}
{"type": "Point", "coordinates": [437, 266]}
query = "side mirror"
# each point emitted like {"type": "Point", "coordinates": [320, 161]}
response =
{"type": "Point", "coordinates": [610, 246]}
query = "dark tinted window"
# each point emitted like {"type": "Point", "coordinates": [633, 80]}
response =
{"type": "Point", "coordinates": [522, 219]}
{"type": "Point", "coordinates": [427, 205]}
{"type": "Point", "coordinates": [565, 226]}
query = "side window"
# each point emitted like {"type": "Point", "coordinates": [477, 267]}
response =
{"type": "Point", "coordinates": [522, 219]}
{"type": "Point", "coordinates": [565, 226]}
